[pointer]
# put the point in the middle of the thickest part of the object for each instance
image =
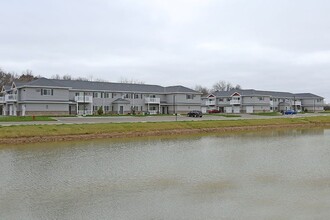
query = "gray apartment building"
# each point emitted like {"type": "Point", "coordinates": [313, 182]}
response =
{"type": "Point", "coordinates": [253, 101]}
{"type": "Point", "coordinates": [63, 97]}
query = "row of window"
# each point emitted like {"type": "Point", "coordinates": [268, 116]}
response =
{"type": "Point", "coordinates": [108, 108]}
{"type": "Point", "coordinates": [126, 96]}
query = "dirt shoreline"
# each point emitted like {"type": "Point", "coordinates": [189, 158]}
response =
{"type": "Point", "coordinates": [57, 138]}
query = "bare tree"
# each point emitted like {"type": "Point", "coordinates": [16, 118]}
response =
{"type": "Point", "coordinates": [220, 86]}
{"type": "Point", "coordinates": [56, 76]}
{"type": "Point", "coordinates": [6, 77]}
{"type": "Point", "coordinates": [27, 76]}
{"type": "Point", "coordinates": [67, 77]}
{"type": "Point", "coordinates": [224, 86]}
{"type": "Point", "coordinates": [131, 81]}
{"type": "Point", "coordinates": [204, 90]}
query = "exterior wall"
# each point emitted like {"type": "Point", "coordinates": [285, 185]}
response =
{"type": "Point", "coordinates": [181, 105]}
{"type": "Point", "coordinates": [312, 105]}
{"type": "Point", "coordinates": [44, 109]}
{"type": "Point", "coordinates": [117, 108]}
{"type": "Point", "coordinates": [257, 109]}
{"type": "Point", "coordinates": [35, 94]}
{"type": "Point", "coordinates": [256, 100]}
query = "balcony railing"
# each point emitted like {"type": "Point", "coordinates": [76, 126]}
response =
{"type": "Point", "coordinates": [153, 112]}
{"type": "Point", "coordinates": [84, 99]}
{"type": "Point", "coordinates": [210, 103]}
{"type": "Point", "coordinates": [152, 100]}
{"type": "Point", "coordinates": [10, 98]}
{"type": "Point", "coordinates": [85, 112]}
{"type": "Point", "coordinates": [235, 102]}
{"type": "Point", "coordinates": [296, 103]}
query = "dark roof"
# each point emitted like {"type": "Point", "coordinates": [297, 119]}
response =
{"type": "Point", "coordinates": [307, 95]}
{"type": "Point", "coordinates": [108, 86]}
{"type": "Point", "coordinates": [179, 89]}
{"type": "Point", "coordinates": [44, 82]}
{"type": "Point", "coordinates": [253, 92]}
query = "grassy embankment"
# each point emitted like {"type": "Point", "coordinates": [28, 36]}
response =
{"type": "Point", "coordinates": [25, 118]}
{"type": "Point", "coordinates": [42, 133]}
{"type": "Point", "coordinates": [224, 115]}
{"type": "Point", "coordinates": [267, 114]}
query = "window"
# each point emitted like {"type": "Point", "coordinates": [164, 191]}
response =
{"type": "Point", "coordinates": [106, 95]}
{"type": "Point", "coordinates": [96, 95]}
{"type": "Point", "coordinates": [261, 98]}
{"type": "Point", "coordinates": [47, 92]}
{"type": "Point", "coordinates": [189, 96]}
{"type": "Point", "coordinates": [220, 100]}
{"type": "Point", "coordinates": [136, 96]}
{"type": "Point", "coordinates": [106, 108]}
{"type": "Point", "coordinates": [95, 108]}
{"type": "Point", "coordinates": [77, 94]}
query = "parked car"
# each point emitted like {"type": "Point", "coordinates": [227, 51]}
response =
{"type": "Point", "coordinates": [213, 111]}
{"type": "Point", "coordinates": [195, 114]}
{"type": "Point", "coordinates": [290, 112]}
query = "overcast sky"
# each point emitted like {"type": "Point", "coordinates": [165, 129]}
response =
{"type": "Point", "coordinates": [279, 45]}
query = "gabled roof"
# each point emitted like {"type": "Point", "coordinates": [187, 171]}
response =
{"type": "Point", "coordinates": [44, 82]}
{"type": "Point", "coordinates": [121, 101]}
{"type": "Point", "coordinates": [107, 86]}
{"type": "Point", "coordinates": [307, 95]}
{"type": "Point", "coordinates": [179, 89]}
{"type": "Point", "coordinates": [253, 92]}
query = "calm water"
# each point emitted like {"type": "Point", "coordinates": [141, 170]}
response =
{"type": "Point", "coordinates": [270, 175]}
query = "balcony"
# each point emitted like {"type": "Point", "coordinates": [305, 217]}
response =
{"type": "Point", "coordinates": [11, 98]}
{"type": "Point", "coordinates": [210, 103]}
{"type": "Point", "coordinates": [235, 102]}
{"type": "Point", "coordinates": [153, 112]}
{"type": "Point", "coordinates": [152, 100]}
{"type": "Point", "coordinates": [295, 103]}
{"type": "Point", "coordinates": [84, 99]}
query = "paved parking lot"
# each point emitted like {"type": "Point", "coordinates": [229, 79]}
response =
{"type": "Point", "coordinates": [126, 119]}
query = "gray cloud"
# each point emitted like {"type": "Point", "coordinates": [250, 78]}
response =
{"type": "Point", "coordinates": [272, 44]}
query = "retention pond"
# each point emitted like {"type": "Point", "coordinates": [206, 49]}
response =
{"type": "Point", "coordinates": [282, 174]}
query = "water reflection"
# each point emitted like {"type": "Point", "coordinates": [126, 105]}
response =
{"type": "Point", "coordinates": [279, 174]}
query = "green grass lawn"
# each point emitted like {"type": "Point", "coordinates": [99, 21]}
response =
{"type": "Point", "coordinates": [267, 114]}
{"type": "Point", "coordinates": [225, 115]}
{"type": "Point", "coordinates": [25, 118]}
{"type": "Point", "coordinates": [77, 129]}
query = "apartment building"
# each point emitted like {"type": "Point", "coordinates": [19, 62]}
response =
{"type": "Point", "coordinates": [63, 97]}
{"type": "Point", "coordinates": [253, 101]}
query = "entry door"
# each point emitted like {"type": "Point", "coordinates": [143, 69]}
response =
{"type": "Point", "coordinates": [121, 110]}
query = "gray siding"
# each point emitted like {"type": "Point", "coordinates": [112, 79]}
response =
{"type": "Point", "coordinates": [28, 94]}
